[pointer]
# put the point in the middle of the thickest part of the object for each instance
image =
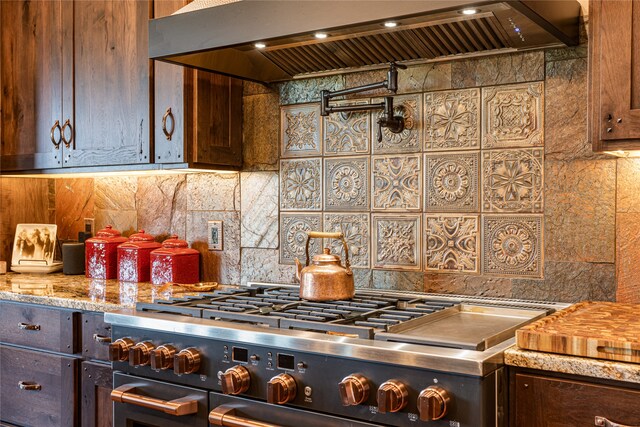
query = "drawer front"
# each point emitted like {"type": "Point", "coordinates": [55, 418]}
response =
{"type": "Point", "coordinates": [545, 401]}
{"type": "Point", "coordinates": [96, 336]}
{"type": "Point", "coordinates": [37, 389]}
{"type": "Point", "coordinates": [40, 327]}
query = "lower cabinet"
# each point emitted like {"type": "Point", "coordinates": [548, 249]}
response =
{"type": "Point", "coordinates": [542, 400]}
{"type": "Point", "coordinates": [37, 388]}
{"type": "Point", "coordinates": [97, 383]}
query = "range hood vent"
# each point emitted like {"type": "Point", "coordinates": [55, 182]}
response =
{"type": "Point", "coordinates": [222, 38]}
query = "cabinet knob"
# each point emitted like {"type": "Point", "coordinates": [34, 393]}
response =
{"type": "Point", "coordinates": [392, 396]}
{"type": "Point", "coordinates": [432, 403]}
{"type": "Point", "coordinates": [281, 389]}
{"type": "Point", "coordinates": [162, 357]}
{"type": "Point", "coordinates": [187, 361]}
{"type": "Point", "coordinates": [354, 390]}
{"type": "Point", "coordinates": [235, 380]}
{"type": "Point", "coordinates": [119, 349]}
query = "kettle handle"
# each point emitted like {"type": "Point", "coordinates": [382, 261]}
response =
{"type": "Point", "coordinates": [328, 235]}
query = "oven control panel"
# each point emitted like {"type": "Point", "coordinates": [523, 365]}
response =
{"type": "Point", "coordinates": [377, 392]}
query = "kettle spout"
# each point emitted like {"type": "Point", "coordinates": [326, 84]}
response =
{"type": "Point", "coordinates": [298, 269]}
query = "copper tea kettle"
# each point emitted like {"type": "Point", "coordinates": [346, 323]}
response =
{"type": "Point", "coordinates": [326, 279]}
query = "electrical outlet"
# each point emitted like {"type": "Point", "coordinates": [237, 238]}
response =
{"type": "Point", "coordinates": [214, 233]}
{"type": "Point", "coordinates": [89, 225]}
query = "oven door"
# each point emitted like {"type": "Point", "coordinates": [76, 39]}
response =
{"type": "Point", "coordinates": [141, 402]}
{"type": "Point", "coordinates": [234, 411]}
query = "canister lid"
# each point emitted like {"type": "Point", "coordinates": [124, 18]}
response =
{"type": "Point", "coordinates": [107, 235]}
{"type": "Point", "coordinates": [174, 242]}
{"type": "Point", "coordinates": [108, 231]}
{"type": "Point", "coordinates": [141, 236]}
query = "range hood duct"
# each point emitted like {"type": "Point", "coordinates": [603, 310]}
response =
{"type": "Point", "coordinates": [220, 35]}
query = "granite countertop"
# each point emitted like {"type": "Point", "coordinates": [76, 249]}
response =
{"type": "Point", "coordinates": [80, 293]}
{"type": "Point", "coordinates": [585, 366]}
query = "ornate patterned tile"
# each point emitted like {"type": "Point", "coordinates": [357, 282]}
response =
{"type": "Point", "coordinates": [452, 182]}
{"type": "Point", "coordinates": [410, 139]}
{"type": "Point", "coordinates": [452, 243]}
{"type": "Point", "coordinates": [452, 120]}
{"type": "Point", "coordinates": [512, 180]}
{"type": "Point", "coordinates": [397, 183]}
{"type": "Point", "coordinates": [355, 228]}
{"type": "Point", "coordinates": [301, 185]}
{"type": "Point", "coordinates": [347, 133]}
{"type": "Point", "coordinates": [513, 116]}
{"type": "Point", "coordinates": [346, 184]}
{"type": "Point", "coordinates": [301, 130]}
{"type": "Point", "coordinates": [512, 245]}
{"type": "Point", "coordinates": [397, 242]}
{"type": "Point", "coordinates": [293, 236]}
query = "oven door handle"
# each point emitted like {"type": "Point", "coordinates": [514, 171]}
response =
{"type": "Point", "coordinates": [183, 406]}
{"type": "Point", "coordinates": [224, 415]}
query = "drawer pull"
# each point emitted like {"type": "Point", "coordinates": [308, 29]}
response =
{"type": "Point", "coordinates": [603, 422]}
{"type": "Point", "coordinates": [26, 385]}
{"type": "Point", "coordinates": [183, 406]}
{"type": "Point", "coordinates": [224, 415]}
{"type": "Point", "coordinates": [101, 339]}
{"type": "Point", "coordinates": [28, 327]}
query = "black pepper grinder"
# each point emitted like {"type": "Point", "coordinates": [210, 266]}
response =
{"type": "Point", "coordinates": [73, 255]}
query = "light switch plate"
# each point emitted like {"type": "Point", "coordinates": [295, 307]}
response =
{"type": "Point", "coordinates": [215, 236]}
{"type": "Point", "coordinates": [89, 226]}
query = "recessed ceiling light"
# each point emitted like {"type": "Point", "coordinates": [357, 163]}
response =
{"type": "Point", "coordinates": [469, 11]}
{"type": "Point", "coordinates": [321, 35]}
{"type": "Point", "coordinates": [260, 45]}
{"type": "Point", "coordinates": [390, 24]}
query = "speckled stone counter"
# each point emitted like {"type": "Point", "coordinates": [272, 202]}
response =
{"type": "Point", "coordinates": [80, 293]}
{"type": "Point", "coordinates": [596, 368]}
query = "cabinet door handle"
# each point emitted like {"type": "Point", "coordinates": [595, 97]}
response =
{"type": "Point", "coordinates": [603, 422]}
{"type": "Point", "coordinates": [101, 339]}
{"type": "Point", "coordinates": [55, 126]}
{"type": "Point", "coordinates": [224, 415]}
{"type": "Point", "coordinates": [183, 406]}
{"type": "Point", "coordinates": [67, 142]}
{"type": "Point", "coordinates": [26, 385]}
{"type": "Point", "coordinates": [168, 133]}
{"type": "Point", "coordinates": [28, 327]}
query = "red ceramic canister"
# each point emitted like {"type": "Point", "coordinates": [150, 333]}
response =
{"type": "Point", "coordinates": [133, 257]}
{"type": "Point", "coordinates": [101, 255]}
{"type": "Point", "coordinates": [175, 262]}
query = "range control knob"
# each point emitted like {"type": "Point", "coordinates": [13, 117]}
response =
{"type": "Point", "coordinates": [140, 353]}
{"type": "Point", "coordinates": [392, 396]}
{"type": "Point", "coordinates": [162, 357]}
{"type": "Point", "coordinates": [432, 403]}
{"type": "Point", "coordinates": [119, 349]}
{"type": "Point", "coordinates": [354, 390]}
{"type": "Point", "coordinates": [187, 361]}
{"type": "Point", "coordinates": [235, 380]}
{"type": "Point", "coordinates": [281, 389]}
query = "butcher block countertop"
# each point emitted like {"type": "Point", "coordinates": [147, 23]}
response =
{"type": "Point", "coordinates": [80, 293]}
{"type": "Point", "coordinates": [585, 366]}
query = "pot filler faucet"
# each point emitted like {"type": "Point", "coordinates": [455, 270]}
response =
{"type": "Point", "coordinates": [387, 120]}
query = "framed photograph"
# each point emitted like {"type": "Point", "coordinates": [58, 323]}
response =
{"type": "Point", "coordinates": [34, 244]}
{"type": "Point", "coordinates": [215, 235]}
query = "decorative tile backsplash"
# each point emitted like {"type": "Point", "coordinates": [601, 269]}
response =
{"type": "Point", "coordinates": [441, 195]}
{"type": "Point", "coordinates": [293, 239]}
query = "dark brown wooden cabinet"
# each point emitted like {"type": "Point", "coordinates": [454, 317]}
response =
{"type": "Point", "coordinates": [614, 92]}
{"type": "Point", "coordinates": [34, 35]}
{"type": "Point", "coordinates": [96, 406]}
{"type": "Point", "coordinates": [539, 399]}
{"type": "Point", "coordinates": [198, 115]}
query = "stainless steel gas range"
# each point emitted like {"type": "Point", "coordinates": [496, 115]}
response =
{"type": "Point", "coordinates": [260, 356]}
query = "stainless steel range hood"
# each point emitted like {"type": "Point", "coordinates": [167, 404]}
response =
{"type": "Point", "coordinates": [222, 38]}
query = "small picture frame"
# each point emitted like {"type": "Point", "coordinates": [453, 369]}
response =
{"type": "Point", "coordinates": [215, 236]}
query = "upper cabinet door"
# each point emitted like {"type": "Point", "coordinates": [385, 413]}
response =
{"type": "Point", "coordinates": [171, 84]}
{"type": "Point", "coordinates": [32, 84]}
{"type": "Point", "coordinates": [111, 86]}
{"type": "Point", "coordinates": [614, 50]}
